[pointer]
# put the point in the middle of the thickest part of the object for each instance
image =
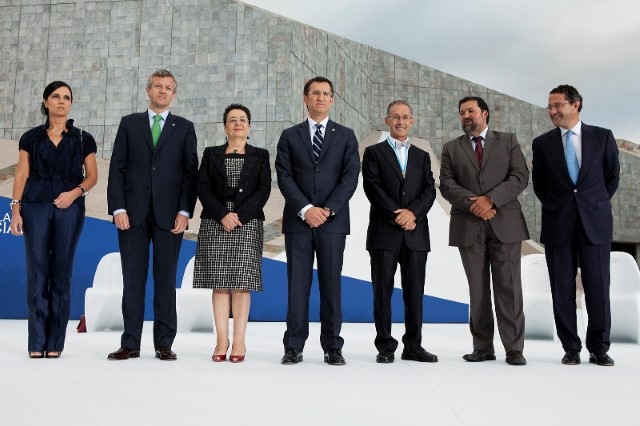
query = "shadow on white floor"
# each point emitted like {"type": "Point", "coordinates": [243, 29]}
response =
{"type": "Point", "coordinates": [83, 388]}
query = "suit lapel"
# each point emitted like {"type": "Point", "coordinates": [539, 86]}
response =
{"type": "Point", "coordinates": [305, 136]}
{"type": "Point", "coordinates": [329, 134]}
{"type": "Point", "coordinates": [489, 144]}
{"type": "Point", "coordinates": [557, 153]}
{"type": "Point", "coordinates": [389, 154]}
{"type": "Point", "coordinates": [249, 165]}
{"type": "Point", "coordinates": [587, 150]}
{"type": "Point", "coordinates": [217, 159]}
{"type": "Point", "coordinates": [145, 129]}
{"type": "Point", "coordinates": [465, 145]}
{"type": "Point", "coordinates": [167, 131]}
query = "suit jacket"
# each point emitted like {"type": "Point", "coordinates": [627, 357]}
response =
{"type": "Point", "coordinates": [591, 195]}
{"type": "Point", "coordinates": [254, 185]}
{"type": "Point", "coordinates": [329, 183]}
{"type": "Point", "coordinates": [504, 175]}
{"type": "Point", "coordinates": [387, 191]}
{"type": "Point", "coordinates": [141, 176]}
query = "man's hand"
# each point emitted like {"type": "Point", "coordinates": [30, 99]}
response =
{"type": "Point", "coordinates": [406, 219]}
{"type": "Point", "coordinates": [481, 205]}
{"type": "Point", "coordinates": [230, 221]}
{"type": "Point", "coordinates": [316, 216]}
{"type": "Point", "coordinates": [180, 224]}
{"type": "Point", "coordinates": [122, 221]}
{"type": "Point", "coordinates": [489, 214]}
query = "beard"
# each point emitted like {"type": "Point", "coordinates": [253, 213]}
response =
{"type": "Point", "coordinates": [468, 126]}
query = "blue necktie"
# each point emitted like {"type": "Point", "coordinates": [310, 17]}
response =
{"type": "Point", "coordinates": [318, 140]}
{"type": "Point", "coordinates": [571, 157]}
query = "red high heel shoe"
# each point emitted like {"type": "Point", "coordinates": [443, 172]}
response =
{"type": "Point", "coordinates": [222, 357]}
{"type": "Point", "coordinates": [236, 358]}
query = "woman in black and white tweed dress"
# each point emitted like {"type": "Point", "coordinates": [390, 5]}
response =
{"type": "Point", "coordinates": [234, 182]}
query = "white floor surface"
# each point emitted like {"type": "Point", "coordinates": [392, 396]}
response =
{"type": "Point", "coordinates": [83, 388]}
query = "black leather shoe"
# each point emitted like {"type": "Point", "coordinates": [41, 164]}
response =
{"type": "Point", "coordinates": [601, 358]}
{"type": "Point", "coordinates": [166, 354]}
{"type": "Point", "coordinates": [334, 357]}
{"type": "Point", "coordinates": [124, 353]}
{"type": "Point", "coordinates": [419, 355]}
{"type": "Point", "coordinates": [515, 358]}
{"type": "Point", "coordinates": [479, 356]}
{"type": "Point", "coordinates": [291, 356]}
{"type": "Point", "coordinates": [571, 358]}
{"type": "Point", "coordinates": [385, 358]}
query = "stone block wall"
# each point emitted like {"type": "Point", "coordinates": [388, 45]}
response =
{"type": "Point", "coordinates": [224, 51]}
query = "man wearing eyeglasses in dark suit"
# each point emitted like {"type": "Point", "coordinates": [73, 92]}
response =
{"type": "Point", "coordinates": [399, 184]}
{"type": "Point", "coordinates": [576, 171]}
{"type": "Point", "coordinates": [317, 165]}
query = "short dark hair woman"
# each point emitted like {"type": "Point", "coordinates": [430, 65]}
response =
{"type": "Point", "coordinates": [56, 167]}
{"type": "Point", "coordinates": [234, 183]}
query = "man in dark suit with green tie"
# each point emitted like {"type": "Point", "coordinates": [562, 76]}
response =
{"type": "Point", "coordinates": [151, 194]}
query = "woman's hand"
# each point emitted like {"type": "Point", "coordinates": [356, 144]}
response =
{"type": "Point", "coordinates": [16, 224]}
{"type": "Point", "coordinates": [230, 222]}
{"type": "Point", "coordinates": [65, 199]}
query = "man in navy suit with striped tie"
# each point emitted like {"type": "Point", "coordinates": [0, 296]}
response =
{"type": "Point", "coordinates": [575, 173]}
{"type": "Point", "coordinates": [317, 164]}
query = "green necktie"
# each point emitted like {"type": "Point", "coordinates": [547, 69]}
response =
{"type": "Point", "coordinates": [155, 129]}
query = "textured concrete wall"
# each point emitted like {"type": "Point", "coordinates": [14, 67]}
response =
{"type": "Point", "coordinates": [223, 51]}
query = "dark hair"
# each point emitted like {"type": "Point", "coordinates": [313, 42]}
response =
{"type": "Point", "coordinates": [570, 93]}
{"type": "Point", "coordinates": [52, 87]}
{"type": "Point", "coordinates": [481, 103]}
{"type": "Point", "coordinates": [399, 102]}
{"type": "Point", "coordinates": [162, 73]}
{"type": "Point", "coordinates": [317, 79]}
{"type": "Point", "coordinates": [236, 106]}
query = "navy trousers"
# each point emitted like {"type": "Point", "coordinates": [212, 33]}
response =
{"type": "Point", "coordinates": [329, 249]}
{"type": "Point", "coordinates": [50, 236]}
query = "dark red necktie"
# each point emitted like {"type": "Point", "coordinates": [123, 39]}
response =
{"type": "Point", "coordinates": [479, 149]}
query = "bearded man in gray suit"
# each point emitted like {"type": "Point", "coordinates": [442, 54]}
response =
{"type": "Point", "coordinates": [481, 175]}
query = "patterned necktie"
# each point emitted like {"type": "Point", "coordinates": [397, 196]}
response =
{"type": "Point", "coordinates": [571, 157]}
{"type": "Point", "coordinates": [479, 149]}
{"type": "Point", "coordinates": [155, 129]}
{"type": "Point", "coordinates": [318, 140]}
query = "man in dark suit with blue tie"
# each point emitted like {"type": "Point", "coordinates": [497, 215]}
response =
{"type": "Point", "coordinates": [399, 184]}
{"type": "Point", "coordinates": [151, 194]}
{"type": "Point", "coordinates": [317, 165]}
{"type": "Point", "coordinates": [575, 173]}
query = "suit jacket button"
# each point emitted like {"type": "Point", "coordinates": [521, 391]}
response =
{"type": "Point", "coordinates": [153, 168]}
{"type": "Point", "coordinates": [404, 193]}
{"type": "Point", "coordinates": [240, 190]}
{"type": "Point", "coordinates": [575, 190]}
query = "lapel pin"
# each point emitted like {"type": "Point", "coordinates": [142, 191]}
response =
{"type": "Point", "coordinates": [333, 129]}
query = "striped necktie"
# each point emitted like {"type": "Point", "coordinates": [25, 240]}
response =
{"type": "Point", "coordinates": [318, 140]}
{"type": "Point", "coordinates": [479, 149]}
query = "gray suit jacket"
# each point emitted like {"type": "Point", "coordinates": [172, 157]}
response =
{"type": "Point", "coordinates": [504, 175]}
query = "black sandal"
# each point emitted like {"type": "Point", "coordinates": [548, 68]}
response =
{"type": "Point", "coordinates": [36, 354]}
{"type": "Point", "coordinates": [53, 354]}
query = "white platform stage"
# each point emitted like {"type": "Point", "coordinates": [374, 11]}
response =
{"type": "Point", "coordinates": [83, 388]}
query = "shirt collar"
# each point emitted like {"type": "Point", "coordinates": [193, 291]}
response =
{"type": "Point", "coordinates": [312, 124]}
{"type": "Point", "coordinates": [483, 134]}
{"type": "Point", "coordinates": [394, 141]}
{"type": "Point", "coordinates": [163, 114]}
{"type": "Point", "coordinates": [575, 129]}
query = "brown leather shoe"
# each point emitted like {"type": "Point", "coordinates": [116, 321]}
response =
{"type": "Point", "coordinates": [166, 354]}
{"type": "Point", "coordinates": [124, 353]}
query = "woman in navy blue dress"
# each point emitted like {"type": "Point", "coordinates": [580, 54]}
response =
{"type": "Point", "coordinates": [56, 167]}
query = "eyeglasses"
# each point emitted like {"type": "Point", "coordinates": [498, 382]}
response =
{"type": "Point", "coordinates": [396, 117]}
{"type": "Point", "coordinates": [241, 120]}
{"type": "Point", "coordinates": [557, 106]}
{"type": "Point", "coordinates": [317, 94]}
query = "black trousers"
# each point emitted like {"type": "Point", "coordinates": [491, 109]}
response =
{"type": "Point", "coordinates": [134, 251]}
{"type": "Point", "coordinates": [594, 262]}
{"type": "Point", "coordinates": [329, 249]}
{"type": "Point", "coordinates": [412, 270]}
{"type": "Point", "coordinates": [51, 236]}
